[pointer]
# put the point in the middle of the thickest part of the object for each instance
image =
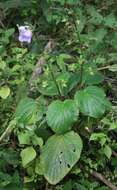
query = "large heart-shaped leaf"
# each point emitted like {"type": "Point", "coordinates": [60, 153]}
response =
{"type": "Point", "coordinates": [59, 155]}
{"type": "Point", "coordinates": [92, 101]}
{"type": "Point", "coordinates": [61, 115]}
{"type": "Point", "coordinates": [26, 111]}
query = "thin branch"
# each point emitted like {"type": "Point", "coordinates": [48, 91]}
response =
{"type": "Point", "coordinates": [114, 153]}
{"type": "Point", "coordinates": [8, 130]}
{"type": "Point", "coordinates": [103, 68]}
{"type": "Point", "coordinates": [104, 180]}
{"type": "Point", "coordinates": [5, 133]}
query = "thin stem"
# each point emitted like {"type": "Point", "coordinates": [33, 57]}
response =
{"type": "Point", "coordinates": [2, 25]}
{"type": "Point", "coordinates": [80, 41]}
{"type": "Point", "coordinates": [102, 178]}
{"type": "Point", "coordinates": [5, 133]}
{"type": "Point", "coordinates": [103, 68]}
{"type": "Point", "coordinates": [8, 130]}
{"type": "Point", "coordinates": [54, 79]}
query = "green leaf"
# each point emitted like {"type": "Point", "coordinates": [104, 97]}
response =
{"type": "Point", "coordinates": [113, 68]}
{"type": "Point", "coordinates": [91, 76]}
{"type": "Point", "coordinates": [100, 137]}
{"type": "Point", "coordinates": [29, 138]}
{"type": "Point", "coordinates": [2, 64]}
{"type": "Point", "coordinates": [37, 140]}
{"type": "Point", "coordinates": [48, 88]}
{"type": "Point", "coordinates": [61, 115]}
{"type": "Point", "coordinates": [110, 21]}
{"type": "Point", "coordinates": [66, 82]}
{"type": "Point", "coordinates": [107, 151]}
{"type": "Point", "coordinates": [61, 61]}
{"type": "Point", "coordinates": [92, 101]}
{"type": "Point", "coordinates": [96, 17]}
{"type": "Point", "coordinates": [59, 155]}
{"type": "Point", "coordinates": [26, 112]}
{"type": "Point", "coordinates": [4, 92]}
{"type": "Point", "coordinates": [113, 126]}
{"type": "Point", "coordinates": [28, 154]}
{"type": "Point", "coordinates": [24, 137]}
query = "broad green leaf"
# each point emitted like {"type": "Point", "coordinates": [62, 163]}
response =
{"type": "Point", "coordinates": [113, 68]}
{"type": "Point", "coordinates": [66, 82]}
{"type": "Point", "coordinates": [29, 138]}
{"type": "Point", "coordinates": [48, 88]}
{"type": "Point", "coordinates": [61, 115]}
{"type": "Point", "coordinates": [59, 155]}
{"type": "Point", "coordinates": [4, 92]}
{"type": "Point", "coordinates": [28, 154]}
{"type": "Point", "coordinates": [92, 101]}
{"type": "Point", "coordinates": [107, 151]}
{"type": "Point", "coordinates": [26, 112]}
{"type": "Point", "coordinates": [91, 76]}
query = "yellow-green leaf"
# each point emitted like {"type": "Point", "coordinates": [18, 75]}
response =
{"type": "Point", "coordinates": [4, 92]}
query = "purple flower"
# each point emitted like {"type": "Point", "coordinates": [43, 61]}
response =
{"type": "Point", "coordinates": [25, 34]}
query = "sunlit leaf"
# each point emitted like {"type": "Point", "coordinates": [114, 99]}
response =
{"type": "Point", "coordinates": [61, 115]}
{"type": "Point", "coordinates": [4, 92]}
{"type": "Point", "coordinates": [26, 112]}
{"type": "Point", "coordinates": [92, 101]}
{"type": "Point", "coordinates": [28, 154]}
{"type": "Point", "coordinates": [59, 155]}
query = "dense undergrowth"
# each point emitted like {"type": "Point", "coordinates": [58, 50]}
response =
{"type": "Point", "coordinates": [58, 95]}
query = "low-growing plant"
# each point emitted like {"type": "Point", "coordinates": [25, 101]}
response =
{"type": "Point", "coordinates": [58, 107]}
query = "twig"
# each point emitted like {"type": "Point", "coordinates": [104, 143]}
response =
{"type": "Point", "coordinates": [104, 180]}
{"type": "Point", "coordinates": [47, 186]}
{"type": "Point", "coordinates": [80, 42]}
{"type": "Point", "coordinates": [103, 68]}
{"type": "Point", "coordinates": [114, 153]}
{"type": "Point", "coordinates": [1, 24]}
{"type": "Point", "coordinates": [8, 130]}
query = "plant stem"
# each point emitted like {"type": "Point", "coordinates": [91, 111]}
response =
{"type": "Point", "coordinates": [103, 68]}
{"type": "Point", "coordinates": [8, 130]}
{"type": "Point", "coordinates": [54, 79]}
{"type": "Point", "coordinates": [78, 35]}
{"type": "Point", "coordinates": [104, 180]}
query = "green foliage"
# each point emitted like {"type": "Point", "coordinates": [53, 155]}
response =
{"type": "Point", "coordinates": [61, 115]}
{"type": "Point", "coordinates": [91, 101]}
{"type": "Point", "coordinates": [26, 111]}
{"type": "Point", "coordinates": [63, 151]}
{"type": "Point", "coordinates": [4, 92]}
{"type": "Point", "coordinates": [26, 159]}
{"type": "Point", "coordinates": [72, 93]}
